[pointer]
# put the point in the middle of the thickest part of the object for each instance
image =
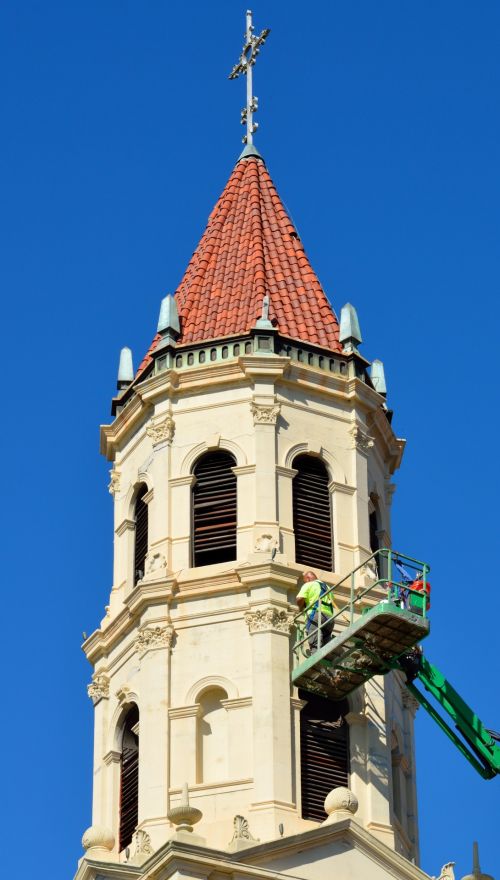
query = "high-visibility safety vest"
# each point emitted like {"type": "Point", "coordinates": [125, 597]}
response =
{"type": "Point", "coordinates": [313, 592]}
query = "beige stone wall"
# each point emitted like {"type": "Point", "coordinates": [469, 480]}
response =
{"type": "Point", "coordinates": [206, 652]}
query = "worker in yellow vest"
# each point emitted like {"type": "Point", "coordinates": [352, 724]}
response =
{"type": "Point", "coordinates": [313, 598]}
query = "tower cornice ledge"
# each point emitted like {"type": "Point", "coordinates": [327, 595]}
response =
{"type": "Point", "coordinates": [394, 446]}
{"type": "Point", "coordinates": [273, 573]}
{"type": "Point", "coordinates": [148, 593]}
{"type": "Point", "coordinates": [176, 859]}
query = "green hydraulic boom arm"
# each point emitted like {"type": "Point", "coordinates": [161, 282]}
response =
{"type": "Point", "coordinates": [479, 747]}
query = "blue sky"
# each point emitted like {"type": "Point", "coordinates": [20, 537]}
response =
{"type": "Point", "coordinates": [379, 123]}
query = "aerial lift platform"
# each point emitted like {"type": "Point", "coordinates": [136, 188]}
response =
{"type": "Point", "coordinates": [380, 627]}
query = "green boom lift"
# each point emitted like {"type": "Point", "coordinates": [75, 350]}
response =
{"type": "Point", "coordinates": [382, 625]}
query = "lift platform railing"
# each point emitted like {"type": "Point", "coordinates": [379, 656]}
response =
{"type": "Point", "coordinates": [394, 573]}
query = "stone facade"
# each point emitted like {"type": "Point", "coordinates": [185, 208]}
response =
{"type": "Point", "coordinates": [205, 652]}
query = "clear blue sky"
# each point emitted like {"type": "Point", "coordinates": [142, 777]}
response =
{"type": "Point", "coordinates": [379, 123]}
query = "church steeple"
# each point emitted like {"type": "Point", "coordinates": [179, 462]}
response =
{"type": "Point", "coordinates": [251, 249]}
{"type": "Point", "coordinates": [250, 444]}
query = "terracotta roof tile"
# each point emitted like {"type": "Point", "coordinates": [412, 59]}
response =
{"type": "Point", "coordinates": [251, 248]}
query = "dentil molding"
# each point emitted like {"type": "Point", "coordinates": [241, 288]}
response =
{"type": "Point", "coordinates": [269, 620]}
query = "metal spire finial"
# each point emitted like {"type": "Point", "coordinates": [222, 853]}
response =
{"type": "Point", "coordinates": [247, 60]}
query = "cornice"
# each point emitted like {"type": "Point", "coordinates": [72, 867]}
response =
{"type": "Point", "coordinates": [242, 469]}
{"type": "Point", "coordinates": [146, 593]}
{"type": "Point", "coordinates": [272, 573]}
{"type": "Point", "coordinates": [198, 861]}
{"type": "Point", "coordinates": [185, 711]}
{"type": "Point", "coordinates": [126, 525]}
{"type": "Point", "coordinates": [394, 446]}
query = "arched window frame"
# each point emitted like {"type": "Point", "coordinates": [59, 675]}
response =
{"type": "Point", "coordinates": [324, 751]}
{"type": "Point", "coordinates": [309, 553]}
{"type": "Point", "coordinates": [141, 532]}
{"type": "Point", "coordinates": [203, 544]}
{"type": "Point", "coordinates": [128, 816]}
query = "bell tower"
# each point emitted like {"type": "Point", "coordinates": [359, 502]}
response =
{"type": "Point", "coordinates": [253, 442]}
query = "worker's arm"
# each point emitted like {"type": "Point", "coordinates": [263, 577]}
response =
{"type": "Point", "coordinates": [301, 603]}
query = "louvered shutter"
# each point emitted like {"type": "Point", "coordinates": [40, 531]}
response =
{"type": "Point", "coordinates": [312, 521]}
{"type": "Point", "coordinates": [141, 535]}
{"type": "Point", "coordinates": [324, 752]}
{"type": "Point", "coordinates": [214, 509]}
{"type": "Point", "coordinates": [129, 780]}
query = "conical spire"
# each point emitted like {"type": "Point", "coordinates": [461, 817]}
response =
{"type": "Point", "coordinates": [249, 250]}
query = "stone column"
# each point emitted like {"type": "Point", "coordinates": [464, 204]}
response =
{"type": "Point", "coordinates": [270, 627]}
{"type": "Point", "coordinates": [180, 517]}
{"type": "Point", "coordinates": [161, 431]}
{"type": "Point", "coordinates": [285, 477]}
{"type": "Point", "coordinates": [378, 768]}
{"type": "Point", "coordinates": [361, 445]}
{"type": "Point", "coordinates": [265, 413]}
{"type": "Point", "coordinates": [124, 556]}
{"type": "Point", "coordinates": [297, 706]}
{"type": "Point", "coordinates": [246, 512]}
{"type": "Point", "coordinates": [410, 706]}
{"type": "Point", "coordinates": [98, 691]}
{"type": "Point", "coordinates": [153, 646]}
{"type": "Point", "coordinates": [344, 523]}
{"type": "Point", "coordinates": [358, 749]}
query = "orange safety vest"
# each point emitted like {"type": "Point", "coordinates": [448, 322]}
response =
{"type": "Point", "coordinates": [419, 585]}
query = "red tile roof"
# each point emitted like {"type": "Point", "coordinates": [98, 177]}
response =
{"type": "Point", "coordinates": [251, 248]}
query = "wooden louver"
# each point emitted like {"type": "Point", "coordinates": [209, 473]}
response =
{"type": "Point", "coordinates": [141, 534]}
{"type": "Point", "coordinates": [129, 780]}
{"type": "Point", "coordinates": [312, 521]}
{"type": "Point", "coordinates": [214, 509]}
{"type": "Point", "coordinates": [324, 752]}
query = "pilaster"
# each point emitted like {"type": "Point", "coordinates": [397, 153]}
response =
{"type": "Point", "coordinates": [270, 627]}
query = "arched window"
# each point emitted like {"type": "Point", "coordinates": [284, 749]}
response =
{"type": "Point", "coordinates": [129, 777]}
{"type": "Point", "coordinates": [212, 737]}
{"type": "Point", "coordinates": [324, 752]}
{"type": "Point", "coordinates": [214, 509]}
{"type": "Point", "coordinates": [141, 533]}
{"type": "Point", "coordinates": [312, 520]}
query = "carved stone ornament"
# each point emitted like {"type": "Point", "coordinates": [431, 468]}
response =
{"type": "Point", "coordinates": [114, 483]}
{"type": "Point", "coordinates": [156, 564]}
{"type": "Point", "coordinates": [265, 414]}
{"type": "Point", "coordinates": [123, 694]}
{"type": "Point", "coordinates": [153, 637]}
{"type": "Point", "coordinates": [265, 544]}
{"type": "Point", "coordinates": [361, 439]}
{"type": "Point", "coordinates": [269, 620]}
{"type": "Point", "coordinates": [241, 829]}
{"type": "Point", "coordinates": [162, 430]}
{"type": "Point", "coordinates": [142, 843]}
{"type": "Point", "coordinates": [447, 872]}
{"type": "Point", "coordinates": [409, 701]}
{"type": "Point", "coordinates": [340, 803]}
{"type": "Point", "coordinates": [98, 689]}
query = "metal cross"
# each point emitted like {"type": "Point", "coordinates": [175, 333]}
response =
{"type": "Point", "coordinates": [247, 60]}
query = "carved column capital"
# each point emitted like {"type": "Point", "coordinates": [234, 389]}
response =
{"type": "Point", "coordinates": [269, 620]}
{"type": "Point", "coordinates": [161, 430]}
{"type": "Point", "coordinates": [98, 689]}
{"type": "Point", "coordinates": [361, 440]}
{"type": "Point", "coordinates": [264, 413]}
{"type": "Point", "coordinates": [153, 637]}
{"type": "Point", "coordinates": [409, 701]}
{"type": "Point", "coordinates": [114, 482]}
